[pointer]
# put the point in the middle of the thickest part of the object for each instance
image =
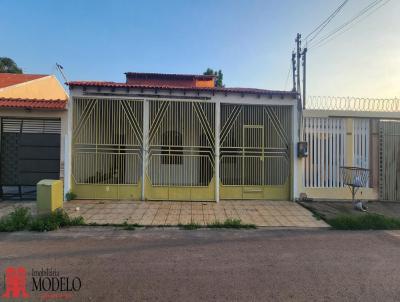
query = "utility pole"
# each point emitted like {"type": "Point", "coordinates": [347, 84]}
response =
{"type": "Point", "coordinates": [298, 56]}
{"type": "Point", "coordinates": [304, 76]}
{"type": "Point", "coordinates": [294, 70]}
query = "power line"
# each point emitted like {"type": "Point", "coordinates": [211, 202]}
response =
{"type": "Point", "coordinates": [319, 44]}
{"type": "Point", "coordinates": [320, 27]}
{"type": "Point", "coordinates": [350, 22]}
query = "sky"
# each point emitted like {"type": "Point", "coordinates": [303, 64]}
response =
{"type": "Point", "coordinates": [249, 40]}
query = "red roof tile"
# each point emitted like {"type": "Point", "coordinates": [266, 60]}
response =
{"type": "Point", "coordinates": [9, 79]}
{"type": "Point", "coordinates": [207, 89]}
{"type": "Point", "coordinates": [170, 75]}
{"type": "Point", "coordinates": [33, 104]}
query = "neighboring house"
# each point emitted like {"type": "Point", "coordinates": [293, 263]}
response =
{"type": "Point", "coordinates": [33, 120]}
{"type": "Point", "coordinates": [178, 137]}
{"type": "Point", "coordinates": [351, 132]}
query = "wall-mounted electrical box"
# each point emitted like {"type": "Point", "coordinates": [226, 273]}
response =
{"type": "Point", "coordinates": [302, 149]}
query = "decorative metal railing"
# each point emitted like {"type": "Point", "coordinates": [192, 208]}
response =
{"type": "Point", "coordinates": [352, 104]}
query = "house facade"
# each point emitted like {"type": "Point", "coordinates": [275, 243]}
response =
{"type": "Point", "coordinates": [178, 137]}
{"type": "Point", "coordinates": [353, 132]}
{"type": "Point", "coordinates": [33, 123]}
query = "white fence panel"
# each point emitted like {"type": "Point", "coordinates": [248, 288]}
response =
{"type": "Point", "coordinates": [326, 142]}
{"type": "Point", "coordinates": [361, 136]}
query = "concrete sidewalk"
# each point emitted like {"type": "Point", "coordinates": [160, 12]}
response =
{"type": "Point", "coordinates": [260, 213]}
{"type": "Point", "coordinates": [166, 213]}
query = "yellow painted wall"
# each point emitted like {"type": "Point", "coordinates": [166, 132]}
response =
{"type": "Point", "coordinates": [104, 191]}
{"type": "Point", "coordinates": [256, 192]}
{"type": "Point", "coordinates": [48, 88]}
{"type": "Point", "coordinates": [177, 193]}
{"type": "Point", "coordinates": [340, 193]}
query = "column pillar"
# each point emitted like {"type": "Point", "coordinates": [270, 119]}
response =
{"type": "Point", "coordinates": [145, 147]}
{"type": "Point", "coordinates": [296, 163]}
{"type": "Point", "coordinates": [68, 146]}
{"type": "Point", "coordinates": [217, 130]}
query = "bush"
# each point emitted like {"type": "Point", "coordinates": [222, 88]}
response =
{"type": "Point", "coordinates": [21, 219]}
{"type": "Point", "coordinates": [70, 196]}
{"type": "Point", "coordinates": [55, 220]}
{"type": "Point", "coordinates": [227, 224]}
{"type": "Point", "coordinates": [17, 220]}
{"type": "Point", "coordinates": [364, 222]}
{"type": "Point", "coordinates": [231, 224]}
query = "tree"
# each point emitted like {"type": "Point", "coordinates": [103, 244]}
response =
{"type": "Point", "coordinates": [218, 74]}
{"type": "Point", "coordinates": [8, 65]}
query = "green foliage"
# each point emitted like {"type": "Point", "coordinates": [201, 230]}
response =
{"type": "Point", "coordinates": [231, 224]}
{"type": "Point", "coordinates": [364, 222]}
{"type": "Point", "coordinates": [21, 219]}
{"type": "Point", "coordinates": [218, 74]}
{"type": "Point", "coordinates": [8, 65]}
{"type": "Point", "coordinates": [53, 221]}
{"type": "Point", "coordinates": [129, 227]}
{"type": "Point", "coordinates": [17, 220]}
{"type": "Point", "coordinates": [70, 196]}
{"type": "Point", "coordinates": [227, 224]}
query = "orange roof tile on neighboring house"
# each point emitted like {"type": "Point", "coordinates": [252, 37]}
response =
{"type": "Point", "coordinates": [33, 104]}
{"type": "Point", "coordinates": [10, 79]}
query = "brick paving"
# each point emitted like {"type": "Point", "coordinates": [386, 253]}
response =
{"type": "Point", "coordinates": [169, 213]}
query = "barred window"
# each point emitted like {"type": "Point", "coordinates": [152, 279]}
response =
{"type": "Point", "coordinates": [172, 149]}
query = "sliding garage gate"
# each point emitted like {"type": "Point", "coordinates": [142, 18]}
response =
{"type": "Point", "coordinates": [107, 148]}
{"type": "Point", "coordinates": [30, 152]}
{"type": "Point", "coordinates": [255, 152]}
{"type": "Point", "coordinates": [181, 151]}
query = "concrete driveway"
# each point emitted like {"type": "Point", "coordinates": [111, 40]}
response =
{"type": "Point", "coordinates": [213, 265]}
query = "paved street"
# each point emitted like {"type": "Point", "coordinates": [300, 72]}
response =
{"type": "Point", "coordinates": [213, 265]}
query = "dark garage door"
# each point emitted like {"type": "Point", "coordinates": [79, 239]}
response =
{"type": "Point", "coordinates": [30, 152]}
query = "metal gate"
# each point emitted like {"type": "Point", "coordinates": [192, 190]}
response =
{"type": "Point", "coordinates": [389, 182]}
{"type": "Point", "coordinates": [181, 151]}
{"type": "Point", "coordinates": [255, 152]}
{"type": "Point", "coordinates": [30, 152]}
{"type": "Point", "coordinates": [107, 148]}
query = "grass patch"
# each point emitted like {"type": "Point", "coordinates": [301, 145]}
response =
{"type": "Point", "coordinates": [227, 224]}
{"type": "Point", "coordinates": [130, 227]}
{"type": "Point", "coordinates": [190, 226]}
{"type": "Point", "coordinates": [364, 222]}
{"type": "Point", "coordinates": [231, 224]}
{"type": "Point", "coordinates": [21, 219]}
{"type": "Point", "coordinates": [53, 221]}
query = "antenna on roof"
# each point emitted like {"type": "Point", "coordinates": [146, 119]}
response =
{"type": "Point", "coordinates": [60, 69]}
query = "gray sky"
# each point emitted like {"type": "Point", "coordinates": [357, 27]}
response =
{"type": "Point", "coordinates": [364, 61]}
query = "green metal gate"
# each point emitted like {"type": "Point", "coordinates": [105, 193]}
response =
{"type": "Point", "coordinates": [107, 145]}
{"type": "Point", "coordinates": [181, 151]}
{"type": "Point", "coordinates": [255, 152]}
